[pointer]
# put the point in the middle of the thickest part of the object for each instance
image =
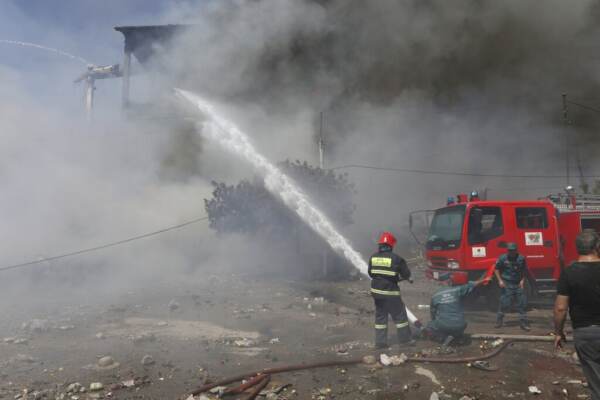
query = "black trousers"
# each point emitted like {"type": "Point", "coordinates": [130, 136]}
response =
{"type": "Point", "coordinates": [587, 344]}
{"type": "Point", "coordinates": [394, 306]}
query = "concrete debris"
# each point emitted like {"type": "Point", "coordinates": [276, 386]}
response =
{"type": "Point", "coordinates": [423, 306]}
{"type": "Point", "coordinates": [482, 365]}
{"type": "Point", "coordinates": [466, 398]}
{"type": "Point", "coordinates": [369, 360]}
{"type": "Point", "coordinates": [162, 324]}
{"type": "Point", "coordinates": [173, 305]}
{"type": "Point", "coordinates": [434, 396]}
{"type": "Point", "coordinates": [342, 310]}
{"type": "Point", "coordinates": [244, 342]}
{"type": "Point", "coordinates": [219, 390]}
{"type": "Point", "coordinates": [96, 386]}
{"type": "Point", "coordinates": [427, 373]}
{"type": "Point", "coordinates": [393, 360]}
{"type": "Point", "coordinates": [15, 340]}
{"type": "Point", "coordinates": [274, 341]}
{"type": "Point", "coordinates": [534, 390]}
{"type": "Point", "coordinates": [106, 362]}
{"type": "Point", "coordinates": [147, 360]}
{"type": "Point", "coordinates": [100, 335]}
{"type": "Point", "coordinates": [75, 387]}
{"type": "Point", "coordinates": [66, 327]}
{"type": "Point", "coordinates": [145, 337]}
{"type": "Point", "coordinates": [24, 358]}
{"type": "Point", "coordinates": [36, 326]}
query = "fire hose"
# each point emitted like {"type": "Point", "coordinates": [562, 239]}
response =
{"type": "Point", "coordinates": [262, 377]}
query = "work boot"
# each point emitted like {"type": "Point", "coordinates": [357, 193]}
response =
{"type": "Point", "coordinates": [524, 325]}
{"type": "Point", "coordinates": [499, 322]}
{"type": "Point", "coordinates": [447, 341]}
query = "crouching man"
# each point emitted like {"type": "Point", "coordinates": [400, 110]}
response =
{"type": "Point", "coordinates": [447, 312]}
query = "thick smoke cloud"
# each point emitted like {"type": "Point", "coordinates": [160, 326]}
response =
{"type": "Point", "coordinates": [461, 86]}
{"type": "Point", "coordinates": [469, 86]}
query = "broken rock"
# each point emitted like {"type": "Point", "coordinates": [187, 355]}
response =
{"type": "Point", "coordinates": [147, 360]}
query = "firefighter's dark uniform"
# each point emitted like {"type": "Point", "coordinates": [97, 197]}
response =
{"type": "Point", "coordinates": [512, 272]}
{"type": "Point", "coordinates": [385, 267]}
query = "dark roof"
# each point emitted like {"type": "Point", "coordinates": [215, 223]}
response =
{"type": "Point", "coordinates": [144, 41]}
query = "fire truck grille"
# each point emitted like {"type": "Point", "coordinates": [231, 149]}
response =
{"type": "Point", "coordinates": [439, 262]}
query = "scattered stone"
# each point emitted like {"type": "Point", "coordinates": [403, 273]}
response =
{"type": "Point", "coordinates": [100, 335]}
{"type": "Point", "coordinates": [244, 342]}
{"type": "Point", "coordinates": [74, 388]}
{"type": "Point", "coordinates": [427, 373]}
{"type": "Point", "coordinates": [147, 360]}
{"type": "Point", "coordinates": [66, 327]}
{"type": "Point", "coordinates": [575, 382]}
{"type": "Point", "coordinates": [162, 324]}
{"type": "Point", "coordinates": [24, 358]}
{"type": "Point", "coordinates": [466, 398]}
{"type": "Point", "coordinates": [173, 305]}
{"type": "Point", "coordinates": [144, 338]}
{"type": "Point", "coordinates": [434, 396]}
{"type": "Point", "coordinates": [96, 386]}
{"type": "Point", "coordinates": [274, 341]}
{"type": "Point", "coordinates": [534, 390]}
{"type": "Point", "coordinates": [369, 360]}
{"type": "Point", "coordinates": [219, 390]}
{"type": "Point", "coordinates": [393, 360]}
{"type": "Point", "coordinates": [36, 326]}
{"type": "Point", "coordinates": [107, 362]}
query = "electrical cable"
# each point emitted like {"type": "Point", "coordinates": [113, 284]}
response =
{"type": "Point", "coordinates": [104, 246]}
{"type": "Point", "coordinates": [437, 172]}
{"type": "Point", "coordinates": [584, 106]}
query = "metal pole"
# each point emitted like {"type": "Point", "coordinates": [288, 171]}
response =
{"type": "Point", "coordinates": [89, 97]}
{"type": "Point", "coordinates": [321, 143]}
{"type": "Point", "coordinates": [126, 75]}
{"type": "Point", "coordinates": [566, 121]}
{"type": "Point", "coordinates": [322, 166]}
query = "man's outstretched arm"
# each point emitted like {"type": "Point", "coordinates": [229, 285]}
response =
{"type": "Point", "coordinates": [561, 306]}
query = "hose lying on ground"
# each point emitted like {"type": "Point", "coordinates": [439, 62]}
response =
{"type": "Point", "coordinates": [337, 363]}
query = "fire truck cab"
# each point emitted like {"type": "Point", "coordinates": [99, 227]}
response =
{"type": "Point", "coordinates": [468, 235]}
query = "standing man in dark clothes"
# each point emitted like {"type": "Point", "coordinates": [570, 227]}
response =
{"type": "Point", "coordinates": [579, 292]}
{"type": "Point", "coordinates": [385, 269]}
{"type": "Point", "coordinates": [511, 270]}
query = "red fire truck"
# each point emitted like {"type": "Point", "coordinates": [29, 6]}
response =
{"type": "Point", "coordinates": [468, 235]}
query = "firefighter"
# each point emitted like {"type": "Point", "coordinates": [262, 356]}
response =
{"type": "Point", "coordinates": [386, 268]}
{"type": "Point", "coordinates": [447, 313]}
{"type": "Point", "coordinates": [511, 270]}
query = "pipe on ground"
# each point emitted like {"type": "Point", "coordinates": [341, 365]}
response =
{"type": "Point", "coordinates": [298, 367]}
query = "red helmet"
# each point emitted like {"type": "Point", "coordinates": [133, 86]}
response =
{"type": "Point", "coordinates": [460, 278]}
{"type": "Point", "coordinates": [387, 238]}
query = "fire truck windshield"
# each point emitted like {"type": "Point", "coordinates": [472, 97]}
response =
{"type": "Point", "coordinates": [446, 228]}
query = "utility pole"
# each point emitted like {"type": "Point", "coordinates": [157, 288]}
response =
{"type": "Point", "coordinates": [567, 123]}
{"type": "Point", "coordinates": [322, 166]}
{"type": "Point", "coordinates": [89, 94]}
{"type": "Point", "coordinates": [321, 142]}
{"type": "Point", "coordinates": [89, 77]}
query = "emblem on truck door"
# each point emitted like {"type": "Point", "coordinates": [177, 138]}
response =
{"type": "Point", "coordinates": [478, 251]}
{"type": "Point", "coordinates": [534, 239]}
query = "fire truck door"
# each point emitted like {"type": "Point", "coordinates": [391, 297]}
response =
{"type": "Point", "coordinates": [537, 240]}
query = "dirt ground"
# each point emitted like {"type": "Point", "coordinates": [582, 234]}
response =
{"type": "Point", "coordinates": [166, 340]}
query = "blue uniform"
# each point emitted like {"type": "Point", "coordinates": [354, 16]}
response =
{"type": "Point", "coordinates": [447, 313]}
{"type": "Point", "coordinates": [512, 272]}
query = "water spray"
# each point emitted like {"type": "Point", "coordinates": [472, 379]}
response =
{"type": "Point", "coordinates": [46, 48]}
{"type": "Point", "coordinates": [232, 138]}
